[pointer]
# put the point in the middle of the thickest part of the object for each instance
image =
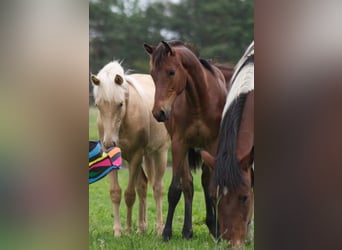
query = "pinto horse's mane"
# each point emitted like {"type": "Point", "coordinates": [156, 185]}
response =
{"type": "Point", "coordinates": [227, 171]}
{"type": "Point", "coordinates": [161, 52]}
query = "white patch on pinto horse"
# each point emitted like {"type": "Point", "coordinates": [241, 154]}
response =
{"type": "Point", "coordinates": [242, 80]}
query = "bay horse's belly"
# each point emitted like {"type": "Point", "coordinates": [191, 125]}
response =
{"type": "Point", "coordinates": [199, 134]}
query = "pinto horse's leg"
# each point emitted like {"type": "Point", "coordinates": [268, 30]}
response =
{"type": "Point", "coordinates": [179, 152]}
{"type": "Point", "coordinates": [133, 167]}
{"type": "Point", "coordinates": [211, 221]}
{"type": "Point", "coordinates": [115, 195]}
{"type": "Point", "coordinates": [141, 186]}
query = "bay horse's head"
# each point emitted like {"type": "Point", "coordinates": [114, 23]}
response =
{"type": "Point", "coordinates": [169, 77]}
{"type": "Point", "coordinates": [110, 94]}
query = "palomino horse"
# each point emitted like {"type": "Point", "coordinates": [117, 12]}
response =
{"type": "Point", "coordinates": [125, 120]}
{"type": "Point", "coordinates": [232, 182]}
{"type": "Point", "coordinates": [190, 95]}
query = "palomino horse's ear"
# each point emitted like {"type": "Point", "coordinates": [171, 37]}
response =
{"type": "Point", "coordinates": [168, 48]}
{"type": "Point", "coordinates": [118, 79]}
{"type": "Point", "coordinates": [149, 48]}
{"type": "Point", "coordinates": [95, 80]}
{"type": "Point", "coordinates": [208, 159]}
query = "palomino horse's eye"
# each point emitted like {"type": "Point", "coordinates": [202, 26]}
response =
{"type": "Point", "coordinates": [172, 73]}
{"type": "Point", "coordinates": [120, 104]}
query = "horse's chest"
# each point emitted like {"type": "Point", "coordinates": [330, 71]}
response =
{"type": "Point", "coordinates": [198, 133]}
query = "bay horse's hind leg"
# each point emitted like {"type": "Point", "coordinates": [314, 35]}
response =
{"type": "Point", "coordinates": [188, 191]}
{"type": "Point", "coordinates": [211, 220]}
{"type": "Point", "coordinates": [141, 187]}
{"type": "Point", "coordinates": [115, 195]}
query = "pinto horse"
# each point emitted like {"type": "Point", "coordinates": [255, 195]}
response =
{"type": "Point", "coordinates": [125, 120]}
{"type": "Point", "coordinates": [189, 99]}
{"type": "Point", "coordinates": [232, 182]}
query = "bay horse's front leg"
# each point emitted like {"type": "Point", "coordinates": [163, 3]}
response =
{"type": "Point", "coordinates": [179, 151]}
{"type": "Point", "coordinates": [115, 195]}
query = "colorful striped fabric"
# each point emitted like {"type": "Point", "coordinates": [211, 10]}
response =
{"type": "Point", "coordinates": [101, 163]}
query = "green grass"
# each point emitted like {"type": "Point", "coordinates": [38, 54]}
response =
{"type": "Point", "coordinates": [101, 215]}
{"type": "Point", "coordinates": [101, 220]}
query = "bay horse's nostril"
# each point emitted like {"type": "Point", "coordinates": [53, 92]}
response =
{"type": "Point", "coordinates": [161, 116]}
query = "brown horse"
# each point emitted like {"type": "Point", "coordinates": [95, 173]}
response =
{"type": "Point", "coordinates": [227, 72]}
{"type": "Point", "coordinates": [190, 95]}
{"type": "Point", "coordinates": [232, 182]}
{"type": "Point", "coordinates": [125, 103]}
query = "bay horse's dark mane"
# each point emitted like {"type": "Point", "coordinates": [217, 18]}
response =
{"type": "Point", "coordinates": [160, 53]}
{"type": "Point", "coordinates": [227, 171]}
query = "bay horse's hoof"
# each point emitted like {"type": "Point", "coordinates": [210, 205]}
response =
{"type": "Point", "coordinates": [167, 234]}
{"type": "Point", "coordinates": [187, 234]}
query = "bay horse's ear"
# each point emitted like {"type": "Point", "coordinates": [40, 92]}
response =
{"type": "Point", "coordinates": [95, 80]}
{"type": "Point", "coordinates": [149, 48]}
{"type": "Point", "coordinates": [168, 48]}
{"type": "Point", "coordinates": [208, 159]}
{"type": "Point", "coordinates": [118, 79]}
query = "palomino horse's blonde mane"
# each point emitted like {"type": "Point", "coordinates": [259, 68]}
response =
{"type": "Point", "coordinates": [107, 90]}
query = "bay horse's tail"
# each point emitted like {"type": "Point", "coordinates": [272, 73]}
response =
{"type": "Point", "coordinates": [194, 158]}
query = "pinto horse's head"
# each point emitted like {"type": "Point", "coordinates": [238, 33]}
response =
{"type": "Point", "coordinates": [110, 93]}
{"type": "Point", "coordinates": [169, 77]}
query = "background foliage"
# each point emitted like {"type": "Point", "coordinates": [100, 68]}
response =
{"type": "Point", "coordinates": [220, 29]}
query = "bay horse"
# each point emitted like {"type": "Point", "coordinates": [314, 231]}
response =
{"type": "Point", "coordinates": [125, 120]}
{"type": "Point", "coordinates": [189, 99]}
{"type": "Point", "coordinates": [233, 179]}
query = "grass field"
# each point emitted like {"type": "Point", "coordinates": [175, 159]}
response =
{"type": "Point", "coordinates": [101, 216]}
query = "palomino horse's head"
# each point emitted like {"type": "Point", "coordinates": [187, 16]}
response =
{"type": "Point", "coordinates": [110, 93]}
{"type": "Point", "coordinates": [169, 77]}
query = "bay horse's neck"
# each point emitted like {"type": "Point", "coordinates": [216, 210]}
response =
{"type": "Point", "coordinates": [196, 87]}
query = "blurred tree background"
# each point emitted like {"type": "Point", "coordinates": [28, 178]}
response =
{"type": "Point", "coordinates": [220, 29]}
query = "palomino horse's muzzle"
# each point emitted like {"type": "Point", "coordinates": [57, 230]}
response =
{"type": "Point", "coordinates": [109, 144]}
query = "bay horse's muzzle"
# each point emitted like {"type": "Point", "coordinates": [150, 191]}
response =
{"type": "Point", "coordinates": [162, 116]}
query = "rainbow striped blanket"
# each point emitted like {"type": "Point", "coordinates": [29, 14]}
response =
{"type": "Point", "coordinates": [102, 162]}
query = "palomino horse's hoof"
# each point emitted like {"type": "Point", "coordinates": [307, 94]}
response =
{"type": "Point", "coordinates": [159, 229]}
{"type": "Point", "coordinates": [117, 233]}
{"type": "Point", "coordinates": [142, 229]}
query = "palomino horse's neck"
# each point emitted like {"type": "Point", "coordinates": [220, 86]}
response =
{"type": "Point", "coordinates": [196, 86]}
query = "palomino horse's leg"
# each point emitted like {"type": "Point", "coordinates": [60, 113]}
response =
{"type": "Point", "coordinates": [178, 158]}
{"type": "Point", "coordinates": [211, 221]}
{"type": "Point", "coordinates": [115, 195]}
{"type": "Point", "coordinates": [134, 167]}
{"type": "Point", "coordinates": [141, 186]}
{"type": "Point", "coordinates": [159, 164]}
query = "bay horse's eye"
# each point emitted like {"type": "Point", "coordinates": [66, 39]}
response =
{"type": "Point", "coordinates": [172, 73]}
{"type": "Point", "coordinates": [243, 199]}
